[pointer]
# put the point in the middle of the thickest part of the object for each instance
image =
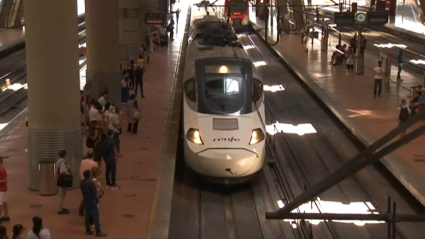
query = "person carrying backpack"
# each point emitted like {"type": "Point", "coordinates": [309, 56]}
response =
{"type": "Point", "coordinates": [93, 141]}
{"type": "Point", "coordinates": [404, 115]}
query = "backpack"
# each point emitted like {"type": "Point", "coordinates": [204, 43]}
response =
{"type": "Point", "coordinates": [89, 142]}
{"type": "Point", "coordinates": [404, 114]}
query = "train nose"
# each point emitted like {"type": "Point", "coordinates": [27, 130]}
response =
{"type": "Point", "coordinates": [227, 163]}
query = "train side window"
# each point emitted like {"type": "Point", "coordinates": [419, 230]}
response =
{"type": "Point", "coordinates": [257, 90]}
{"type": "Point", "coordinates": [189, 88]}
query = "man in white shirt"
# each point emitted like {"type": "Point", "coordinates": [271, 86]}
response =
{"type": "Point", "coordinates": [379, 76]}
{"type": "Point", "coordinates": [86, 164]}
{"type": "Point", "coordinates": [103, 99]}
{"type": "Point", "coordinates": [94, 114]}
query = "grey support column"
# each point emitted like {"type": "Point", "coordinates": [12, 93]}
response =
{"type": "Point", "coordinates": [53, 88]}
{"type": "Point", "coordinates": [103, 50]}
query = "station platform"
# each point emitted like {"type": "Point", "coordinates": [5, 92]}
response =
{"type": "Point", "coordinates": [389, 28]}
{"type": "Point", "coordinates": [11, 38]}
{"type": "Point", "coordinates": [124, 213]}
{"type": "Point", "coordinates": [350, 98]}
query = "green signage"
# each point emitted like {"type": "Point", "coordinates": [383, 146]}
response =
{"type": "Point", "coordinates": [360, 17]}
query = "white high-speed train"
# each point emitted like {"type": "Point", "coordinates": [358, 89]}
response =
{"type": "Point", "coordinates": [223, 110]}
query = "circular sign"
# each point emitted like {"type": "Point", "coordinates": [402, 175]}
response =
{"type": "Point", "coordinates": [360, 17]}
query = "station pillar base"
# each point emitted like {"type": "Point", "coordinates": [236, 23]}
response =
{"type": "Point", "coordinates": [324, 44]}
{"type": "Point", "coordinates": [359, 65]}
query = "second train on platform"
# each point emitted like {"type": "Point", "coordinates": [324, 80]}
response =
{"type": "Point", "coordinates": [223, 108]}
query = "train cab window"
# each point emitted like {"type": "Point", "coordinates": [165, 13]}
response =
{"type": "Point", "coordinates": [224, 93]}
{"type": "Point", "coordinates": [189, 88]}
{"type": "Point", "coordinates": [257, 90]}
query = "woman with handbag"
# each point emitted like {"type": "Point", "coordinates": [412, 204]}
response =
{"type": "Point", "coordinates": [95, 173]}
{"type": "Point", "coordinates": [133, 114]}
{"type": "Point", "coordinates": [64, 180]}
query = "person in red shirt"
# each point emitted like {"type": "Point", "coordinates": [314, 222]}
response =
{"type": "Point", "coordinates": [4, 207]}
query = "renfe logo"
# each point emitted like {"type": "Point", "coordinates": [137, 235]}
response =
{"type": "Point", "coordinates": [233, 139]}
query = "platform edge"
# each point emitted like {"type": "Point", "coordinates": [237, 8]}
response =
{"type": "Point", "coordinates": [158, 227]}
{"type": "Point", "coordinates": [391, 162]}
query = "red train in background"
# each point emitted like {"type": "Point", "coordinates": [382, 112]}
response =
{"type": "Point", "coordinates": [238, 11]}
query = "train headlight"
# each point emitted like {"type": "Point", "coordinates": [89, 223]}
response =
{"type": "Point", "coordinates": [194, 136]}
{"type": "Point", "coordinates": [257, 136]}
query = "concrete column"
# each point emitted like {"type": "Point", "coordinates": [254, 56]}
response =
{"type": "Point", "coordinates": [103, 50]}
{"type": "Point", "coordinates": [53, 85]}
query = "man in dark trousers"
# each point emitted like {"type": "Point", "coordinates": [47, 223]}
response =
{"type": "Point", "coordinates": [91, 201]}
{"type": "Point", "coordinates": [110, 155]}
{"type": "Point", "coordinates": [138, 78]}
{"type": "Point", "coordinates": [178, 15]}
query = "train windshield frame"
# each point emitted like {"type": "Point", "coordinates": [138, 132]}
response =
{"type": "Point", "coordinates": [237, 7]}
{"type": "Point", "coordinates": [224, 86]}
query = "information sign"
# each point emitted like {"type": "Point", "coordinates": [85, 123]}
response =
{"type": "Point", "coordinates": [377, 17]}
{"type": "Point", "coordinates": [344, 18]}
{"type": "Point", "coordinates": [155, 18]}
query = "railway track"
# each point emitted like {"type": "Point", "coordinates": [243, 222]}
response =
{"type": "Point", "coordinates": [202, 210]}
{"type": "Point", "coordinates": [209, 211]}
{"type": "Point", "coordinates": [13, 82]}
{"type": "Point", "coordinates": [296, 163]}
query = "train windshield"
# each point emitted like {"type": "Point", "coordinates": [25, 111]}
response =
{"type": "Point", "coordinates": [237, 7]}
{"type": "Point", "coordinates": [225, 89]}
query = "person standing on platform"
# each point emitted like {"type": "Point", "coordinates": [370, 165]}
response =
{"type": "Point", "coordinates": [4, 206]}
{"type": "Point", "coordinates": [403, 115]}
{"type": "Point", "coordinates": [363, 46]}
{"type": "Point", "coordinates": [91, 201]}
{"type": "Point", "coordinates": [148, 41]}
{"type": "Point", "coordinates": [178, 15]}
{"type": "Point", "coordinates": [18, 231]}
{"type": "Point", "coordinates": [171, 29]}
{"type": "Point", "coordinates": [379, 76]}
{"type": "Point", "coordinates": [86, 164]}
{"type": "Point", "coordinates": [103, 99]}
{"type": "Point", "coordinates": [305, 42]}
{"type": "Point", "coordinates": [94, 139]}
{"type": "Point", "coordinates": [133, 114]}
{"type": "Point", "coordinates": [38, 231]}
{"type": "Point", "coordinates": [145, 55]}
{"type": "Point", "coordinates": [353, 43]}
{"type": "Point", "coordinates": [138, 79]}
{"type": "Point", "coordinates": [110, 155]}
{"type": "Point", "coordinates": [400, 65]}
{"type": "Point", "coordinates": [125, 91]}
{"type": "Point", "coordinates": [26, 124]}
{"type": "Point", "coordinates": [115, 125]}
{"type": "Point", "coordinates": [62, 167]}
{"type": "Point", "coordinates": [3, 232]}
{"type": "Point", "coordinates": [349, 56]}
{"type": "Point", "coordinates": [130, 71]}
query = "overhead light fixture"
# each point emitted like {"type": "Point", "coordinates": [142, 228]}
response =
{"type": "Point", "coordinates": [300, 129]}
{"type": "Point", "coordinates": [390, 45]}
{"type": "Point", "coordinates": [418, 62]}
{"type": "Point", "coordinates": [260, 63]}
{"type": "Point", "coordinates": [249, 47]}
{"type": "Point", "coordinates": [223, 69]}
{"type": "Point", "coordinates": [273, 88]}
